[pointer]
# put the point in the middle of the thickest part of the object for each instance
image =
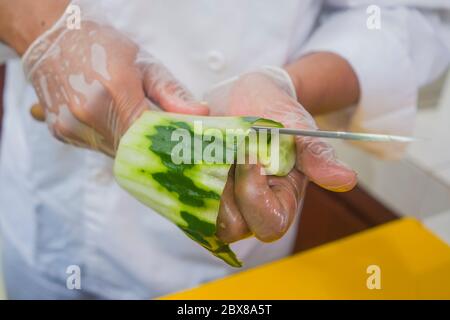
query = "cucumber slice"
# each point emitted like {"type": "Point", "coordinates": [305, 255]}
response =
{"type": "Point", "coordinates": [188, 193]}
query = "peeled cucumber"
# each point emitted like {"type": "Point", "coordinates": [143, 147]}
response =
{"type": "Point", "coordinates": [188, 193]}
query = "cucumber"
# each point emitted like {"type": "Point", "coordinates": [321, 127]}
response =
{"type": "Point", "coordinates": [188, 192]}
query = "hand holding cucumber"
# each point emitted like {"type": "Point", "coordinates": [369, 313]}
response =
{"type": "Point", "coordinates": [216, 203]}
{"type": "Point", "coordinates": [266, 205]}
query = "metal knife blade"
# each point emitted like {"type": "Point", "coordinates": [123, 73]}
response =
{"type": "Point", "coordinates": [357, 136]}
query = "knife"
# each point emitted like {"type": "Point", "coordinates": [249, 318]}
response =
{"type": "Point", "coordinates": [340, 135]}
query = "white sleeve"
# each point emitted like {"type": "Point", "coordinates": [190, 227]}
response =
{"type": "Point", "coordinates": [409, 50]}
{"type": "Point", "coordinates": [6, 53]}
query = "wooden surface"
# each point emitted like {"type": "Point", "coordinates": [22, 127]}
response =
{"type": "Point", "coordinates": [328, 216]}
{"type": "Point", "coordinates": [413, 264]}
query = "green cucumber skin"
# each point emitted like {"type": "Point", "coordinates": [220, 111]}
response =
{"type": "Point", "coordinates": [186, 194]}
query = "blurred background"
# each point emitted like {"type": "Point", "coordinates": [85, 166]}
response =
{"type": "Point", "coordinates": [418, 185]}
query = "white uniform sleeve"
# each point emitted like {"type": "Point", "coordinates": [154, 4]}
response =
{"type": "Point", "coordinates": [6, 53]}
{"type": "Point", "coordinates": [409, 50]}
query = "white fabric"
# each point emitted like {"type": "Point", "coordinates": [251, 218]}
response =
{"type": "Point", "coordinates": [74, 213]}
{"type": "Point", "coordinates": [410, 49]}
{"type": "Point", "coordinates": [6, 53]}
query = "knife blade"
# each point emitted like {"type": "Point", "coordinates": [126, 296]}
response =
{"type": "Point", "coordinates": [357, 136]}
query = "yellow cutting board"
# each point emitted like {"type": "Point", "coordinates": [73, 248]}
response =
{"type": "Point", "coordinates": [398, 260]}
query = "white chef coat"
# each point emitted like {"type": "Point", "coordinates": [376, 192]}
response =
{"type": "Point", "coordinates": [60, 205]}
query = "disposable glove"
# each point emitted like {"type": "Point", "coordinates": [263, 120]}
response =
{"type": "Point", "coordinates": [94, 82]}
{"type": "Point", "coordinates": [265, 206]}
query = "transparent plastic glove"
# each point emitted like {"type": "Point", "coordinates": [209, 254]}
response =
{"type": "Point", "coordinates": [93, 82]}
{"type": "Point", "coordinates": [265, 206]}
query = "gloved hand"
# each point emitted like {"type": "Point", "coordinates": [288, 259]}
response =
{"type": "Point", "coordinates": [262, 205]}
{"type": "Point", "coordinates": [93, 82]}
